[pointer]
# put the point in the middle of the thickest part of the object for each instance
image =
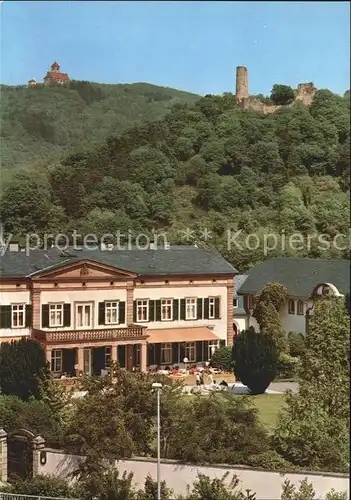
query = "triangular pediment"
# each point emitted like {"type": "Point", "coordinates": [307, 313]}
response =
{"type": "Point", "coordinates": [83, 269]}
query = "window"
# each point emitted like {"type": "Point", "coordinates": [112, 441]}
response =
{"type": "Point", "coordinates": [55, 315]}
{"type": "Point", "coordinates": [300, 308]}
{"type": "Point", "coordinates": [211, 308]}
{"type": "Point", "coordinates": [190, 308]}
{"type": "Point", "coordinates": [107, 356]}
{"type": "Point", "coordinates": [166, 354]}
{"type": "Point", "coordinates": [18, 315]}
{"type": "Point", "coordinates": [84, 316]}
{"type": "Point", "coordinates": [251, 301]}
{"type": "Point", "coordinates": [291, 306]}
{"type": "Point", "coordinates": [111, 313]}
{"type": "Point", "coordinates": [235, 303]}
{"type": "Point", "coordinates": [190, 351]}
{"type": "Point", "coordinates": [56, 360]}
{"type": "Point", "coordinates": [142, 310]}
{"type": "Point", "coordinates": [166, 309]}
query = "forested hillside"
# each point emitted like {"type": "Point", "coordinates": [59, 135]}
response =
{"type": "Point", "coordinates": [43, 123]}
{"type": "Point", "coordinates": [205, 165]}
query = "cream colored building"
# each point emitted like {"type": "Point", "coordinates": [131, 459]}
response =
{"type": "Point", "coordinates": [138, 307]}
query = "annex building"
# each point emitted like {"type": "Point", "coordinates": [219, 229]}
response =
{"type": "Point", "coordinates": [305, 279]}
{"type": "Point", "coordinates": [138, 307]}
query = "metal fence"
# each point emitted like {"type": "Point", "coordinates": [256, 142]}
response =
{"type": "Point", "coordinates": [16, 496]}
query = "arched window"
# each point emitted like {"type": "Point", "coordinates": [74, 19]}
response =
{"type": "Point", "coordinates": [291, 306]}
{"type": "Point", "coordinates": [300, 308]}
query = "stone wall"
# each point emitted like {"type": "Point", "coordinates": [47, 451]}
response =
{"type": "Point", "coordinates": [266, 484]}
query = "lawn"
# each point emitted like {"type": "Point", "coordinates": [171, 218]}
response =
{"type": "Point", "coordinates": [268, 406]}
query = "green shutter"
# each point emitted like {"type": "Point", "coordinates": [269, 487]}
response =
{"type": "Point", "coordinates": [152, 311]}
{"type": "Point", "coordinates": [45, 316]}
{"type": "Point", "coordinates": [5, 316]}
{"type": "Point", "coordinates": [206, 344]}
{"type": "Point", "coordinates": [217, 315]}
{"type": "Point", "coordinates": [158, 310]}
{"type": "Point", "coordinates": [182, 309]}
{"type": "Point", "coordinates": [157, 354]}
{"type": "Point", "coordinates": [199, 308]}
{"type": "Point", "coordinates": [175, 352]}
{"type": "Point", "coordinates": [181, 352]}
{"type": "Point", "coordinates": [122, 312]}
{"type": "Point", "coordinates": [222, 343]}
{"type": "Point", "coordinates": [150, 354]}
{"type": "Point", "coordinates": [66, 314]}
{"type": "Point", "coordinates": [175, 309]}
{"type": "Point", "coordinates": [206, 308]}
{"type": "Point", "coordinates": [101, 313]}
{"type": "Point", "coordinates": [28, 315]}
{"type": "Point", "coordinates": [199, 351]}
{"type": "Point", "coordinates": [134, 311]}
{"type": "Point", "coordinates": [121, 355]}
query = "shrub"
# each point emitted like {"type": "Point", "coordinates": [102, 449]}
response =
{"type": "Point", "coordinates": [287, 366]}
{"type": "Point", "coordinates": [222, 358]}
{"type": "Point", "coordinates": [269, 460]}
{"type": "Point", "coordinates": [296, 342]}
{"type": "Point", "coordinates": [47, 485]}
{"type": "Point", "coordinates": [255, 360]}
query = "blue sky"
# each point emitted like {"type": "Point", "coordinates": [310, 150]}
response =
{"type": "Point", "coordinates": [193, 46]}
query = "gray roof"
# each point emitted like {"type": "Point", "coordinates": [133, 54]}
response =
{"type": "Point", "coordinates": [300, 276]}
{"type": "Point", "coordinates": [239, 280]}
{"type": "Point", "coordinates": [173, 261]}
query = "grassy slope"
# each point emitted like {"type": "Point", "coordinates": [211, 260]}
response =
{"type": "Point", "coordinates": [74, 119]}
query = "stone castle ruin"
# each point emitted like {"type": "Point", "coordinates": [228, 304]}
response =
{"type": "Point", "coordinates": [305, 93]}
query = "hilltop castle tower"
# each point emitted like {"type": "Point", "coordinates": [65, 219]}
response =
{"type": "Point", "coordinates": [242, 84]}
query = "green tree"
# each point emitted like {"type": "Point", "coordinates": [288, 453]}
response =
{"type": "Point", "coordinates": [313, 429]}
{"type": "Point", "coordinates": [22, 367]}
{"type": "Point", "coordinates": [33, 415]}
{"type": "Point", "coordinates": [17, 210]}
{"type": "Point", "coordinates": [269, 303]}
{"type": "Point", "coordinates": [255, 360]}
{"type": "Point", "coordinates": [217, 429]}
{"type": "Point", "coordinates": [282, 94]}
{"type": "Point", "coordinates": [222, 358]}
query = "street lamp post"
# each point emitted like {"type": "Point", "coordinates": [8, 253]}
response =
{"type": "Point", "coordinates": [158, 388]}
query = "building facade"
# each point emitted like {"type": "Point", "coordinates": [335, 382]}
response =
{"type": "Point", "coordinates": [142, 308]}
{"type": "Point", "coordinates": [241, 317]}
{"type": "Point", "coordinates": [305, 279]}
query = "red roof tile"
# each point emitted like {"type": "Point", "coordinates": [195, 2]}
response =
{"type": "Point", "coordinates": [53, 75]}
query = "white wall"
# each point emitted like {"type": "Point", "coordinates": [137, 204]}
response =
{"type": "Point", "coordinates": [266, 484]}
{"type": "Point", "coordinates": [219, 325]}
{"type": "Point", "coordinates": [241, 322]}
{"type": "Point", "coordinates": [294, 322]}
{"type": "Point", "coordinates": [290, 322]}
{"type": "Point", "coordinates": [16, 297]}
{"type": "Point", "coordinates": [14, 332]}
{"type": "Point", "coordinates": [71, 296]}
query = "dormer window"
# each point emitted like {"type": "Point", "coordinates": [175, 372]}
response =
{"type": "Point", "coordinates": [235, 303]}
{"type": "Point", "coordinates": [291, 306]}
{"type": "Point", "coordinates": [300, 308]}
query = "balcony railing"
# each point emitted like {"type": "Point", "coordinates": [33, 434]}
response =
{"type": "Point", "coordinates": [131, 332]}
